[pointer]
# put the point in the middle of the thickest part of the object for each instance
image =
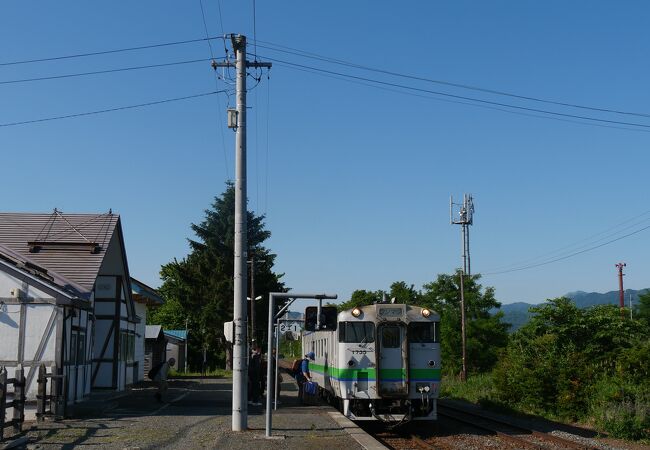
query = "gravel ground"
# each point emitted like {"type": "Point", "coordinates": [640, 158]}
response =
{"type": "Point", "coordinates": [197, 417]}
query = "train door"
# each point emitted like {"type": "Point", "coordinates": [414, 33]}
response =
{"type": "Point", "coordinates": [392, 360]}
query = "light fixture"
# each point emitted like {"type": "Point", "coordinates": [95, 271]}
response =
{"type": "Point", "coordinates": [356, 312]}
{"type": "Point", "coordinates": [425, 312]}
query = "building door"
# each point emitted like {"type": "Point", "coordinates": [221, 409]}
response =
{"type": "Point", "coordinates": [391, 364]}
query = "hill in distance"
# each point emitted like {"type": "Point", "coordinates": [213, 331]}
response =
{"type": "Point", "coordinates": [517, 313]}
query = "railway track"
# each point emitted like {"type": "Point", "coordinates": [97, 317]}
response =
{"type": "Point", "coordinates": [516, 435]}
{"type": "Point", "coordinates": [454, 425]}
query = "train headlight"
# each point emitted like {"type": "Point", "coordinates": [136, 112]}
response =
{"type": "Point", "coordinates": [425, 313]}
{"type": "Point", "coordinates": [356, 312]}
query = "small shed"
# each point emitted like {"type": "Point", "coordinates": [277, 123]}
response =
{"type": "Point", "coordinates": [154, 347]}
{"type": "Point", "coordinates": [177, 347]}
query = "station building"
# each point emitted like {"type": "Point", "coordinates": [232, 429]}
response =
{"type": "Point", "coordinates": [67, 300]}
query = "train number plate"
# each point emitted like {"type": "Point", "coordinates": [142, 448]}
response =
{"type": "Point", "coordinates": [390, 312]}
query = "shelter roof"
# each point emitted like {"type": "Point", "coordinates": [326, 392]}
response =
{"type": "Point", "coordinates": [72, 246]}
{"type": "Point", "coordinates": [181, 335]}
{"type": "Point", "coordinates": [145, 294]}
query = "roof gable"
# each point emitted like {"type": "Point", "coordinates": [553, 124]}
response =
{"type": "Point", "coordinates": [71, 245]}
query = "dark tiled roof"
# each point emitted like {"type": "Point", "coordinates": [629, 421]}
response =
{"type": "Point", "coordinates": [71, 245]}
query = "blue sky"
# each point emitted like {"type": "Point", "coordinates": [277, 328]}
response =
{"type": "Point", "coordinates": [354, 180]}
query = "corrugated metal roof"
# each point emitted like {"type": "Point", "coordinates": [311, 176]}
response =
{"type": "Point", "coordinates": [71, 245]}
{"type": "Point", "coordinates": [50, 277]}
{"type": "Point", "coordinates": [178, 334]}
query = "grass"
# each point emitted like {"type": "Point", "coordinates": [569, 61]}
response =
{"type": "Point", "coordinates": [214, 373]}
{"type": "Point", "coordinates": [477, 389]}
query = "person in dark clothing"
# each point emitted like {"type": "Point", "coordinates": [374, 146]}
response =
{"type": "Point", "coordinates": [304, 374]}
{"type": "Point", "coordinates": [255, 376]}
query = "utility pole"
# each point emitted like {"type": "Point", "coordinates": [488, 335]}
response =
{"type": "Point", "coordinates": [252, 298]}
{"type": "Point", "coordinates": [465, 219]}
{"type": "Point", "coordinates": [621, 294]}
{"type": "Point", "coordinates": [237, 120]}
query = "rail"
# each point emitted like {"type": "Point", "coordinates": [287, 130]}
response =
{"type": "Point", "coordinates": [53, 404]}
{"type": "Point", "coordinates": [17, 402]}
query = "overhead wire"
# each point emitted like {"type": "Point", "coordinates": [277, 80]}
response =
{"type": "Point", "coordinates": [306, 54]}
{"type": "Point", "coordinates": [100, 72]}
{"type": "Point", "coordinates": [458, 102]}
{"type": "Point", "coordinates": [568, 256]}
{"type": "Point", "coordinates": [106, 52]}
{"type": "Point", "coordinates": [102, 111]}
{"type": "Point", "coordinates": [461, 97]}
{"type": "Point", "coordinates": [580, 244]}
{"type": "Point", "coordinates": [216, 85]}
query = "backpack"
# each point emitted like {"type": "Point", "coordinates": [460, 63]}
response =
{"type": "Point", "coordinates": [295, 367]}
{"type": "Point", "coordinates": [154, 370]}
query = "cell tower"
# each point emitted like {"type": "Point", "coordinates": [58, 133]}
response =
{"type": "Point", "coordinates": [464, 218]}
{"type": "Point", "coordinates": [621, 292]}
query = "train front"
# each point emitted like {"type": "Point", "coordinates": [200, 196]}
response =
{"type": "Point", "coordinates": [392, 356]}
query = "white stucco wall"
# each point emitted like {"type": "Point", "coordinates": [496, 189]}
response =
{"type": "Point", "coordinates": [140, 311]}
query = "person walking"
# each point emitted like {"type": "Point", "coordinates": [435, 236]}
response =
{"type": "Point", "coordinates": [304, 375]}
{"type": "Point", "coordinates": [255, 375]}
{"type": "Point", "coordinates": [161, 379]}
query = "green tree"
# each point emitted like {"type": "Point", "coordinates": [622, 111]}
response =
{"type": "Point", "coordinates": [486, 333]}
{"type": "Point", "coordinates": [199, 288]}
{"type": "Point", "coordinates": [643, 310]}
{"type": "Point", "coordinates": [361, 298]}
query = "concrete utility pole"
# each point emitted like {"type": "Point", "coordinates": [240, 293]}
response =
{"type": "Point", "coordinates": [621, 293]}
{"type": "Point", "coordinates": [240, 358]}
{"type": "Point", "coordinates": [252, 298]}
{"type": "Point", "coordinates": [465, 219]}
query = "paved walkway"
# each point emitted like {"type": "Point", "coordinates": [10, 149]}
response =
{"type": "Point", "coordinates": [198, 415]}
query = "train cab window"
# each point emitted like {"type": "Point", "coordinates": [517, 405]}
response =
{"type": "Point", "coordinates": [423, 332]}
{"type": "Point", "coordinates": [356, 332]}
{"type": "Point", "coordinates": [328, 318]}
{"type": "Point", "coordinates": [390, 337]}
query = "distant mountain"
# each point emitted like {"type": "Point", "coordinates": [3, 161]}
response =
{"type": "Point", "coordinates": [517, 313]}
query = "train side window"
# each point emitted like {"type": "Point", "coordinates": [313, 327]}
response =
{"type": "Point", "coordinates": [390, 337]}
{"type": "Point", "coordinates": [356, 332]}
{"type": "Point", "coordinates": [423, 332]}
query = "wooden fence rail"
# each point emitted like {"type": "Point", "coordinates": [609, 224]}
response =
{"type": "Point", "coordinates": [53, 404]}
{"type": "Point", "coordinates": [17, 402]}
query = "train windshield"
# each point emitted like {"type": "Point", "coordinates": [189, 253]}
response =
{"type": "Point", "coordinates": [356, 332]}
{"type": "Point", "coordinates": [423, 332]}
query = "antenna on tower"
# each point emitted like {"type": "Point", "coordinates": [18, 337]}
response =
{"type": "Point", "coordinates": [464, 218]}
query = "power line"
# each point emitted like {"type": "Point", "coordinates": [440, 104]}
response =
{"type": "Point", "coordinates": [302, 53]}
{"type": "Point", "coordinates": [461, 97]}
{"type": "Point", "coordinates": [101, 111]}
{"type": "Point", "coordinates": [589, 240]}
{"type": "Point", "coordinates": [106, 52]}
{"type": "Point", "coordinates": [99, 72]}
{"type": "Point", "coordinates": [569, 256]}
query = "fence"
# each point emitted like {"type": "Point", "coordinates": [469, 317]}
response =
{"type": "Point", "coordinates": [52, 404]}
{"type": "Point", "coordinates": [17, 401]}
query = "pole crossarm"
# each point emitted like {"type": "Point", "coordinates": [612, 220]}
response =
{"type": "Point", "coordinates": [255, 64]}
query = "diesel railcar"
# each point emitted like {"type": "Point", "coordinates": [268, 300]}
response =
{"type": "Point", "coordinates": [377, 362]}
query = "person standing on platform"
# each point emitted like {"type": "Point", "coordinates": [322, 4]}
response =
{"type": "Point", "coordinates": [304, 375]}
{"type": "Point", "coordinates": [255, 375]}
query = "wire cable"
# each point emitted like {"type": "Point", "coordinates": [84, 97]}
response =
{"type": "Point", "coordinates": [568, 256]}
{"type": "Point", "coordinates": [100, 72]}
{"type": "Point", "coordinates": [461, 97]}
{"type": "Point", "coordinates": [580, 244]}
{"type": "Point", "coordinates": [106, 52]}
{"type": "Point", "coordinates": [102, 111]}
{"type": "Point", "coordinates": [302, 53]}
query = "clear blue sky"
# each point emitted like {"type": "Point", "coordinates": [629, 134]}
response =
{"type": "Point", "coordinates": [358, 179]}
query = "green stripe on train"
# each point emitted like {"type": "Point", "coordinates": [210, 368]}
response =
{"type": "Point", "coordinates": [345, 373]}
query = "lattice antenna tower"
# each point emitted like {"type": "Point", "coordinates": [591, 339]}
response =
{"type": "Point", "coordinates": [463, 214]}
